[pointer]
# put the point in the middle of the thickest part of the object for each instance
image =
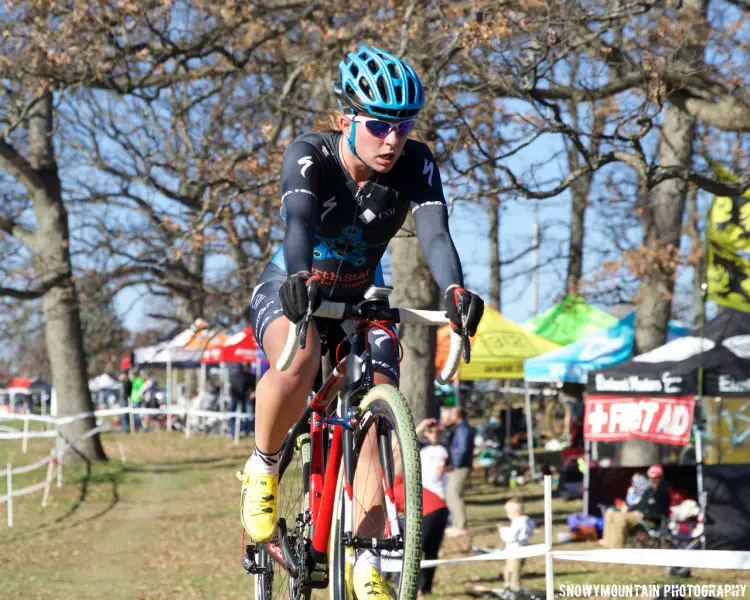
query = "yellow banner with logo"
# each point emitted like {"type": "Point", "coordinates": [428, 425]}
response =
{"type": "Point", "coordinates": [497, 350]}
{"type": "Point", "coordinates": [728, 237]}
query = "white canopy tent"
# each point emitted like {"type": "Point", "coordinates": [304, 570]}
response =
{"type": "Point", "coordinates": [103, 382]}
{"type": "Point", "coordinates": [184, 350]}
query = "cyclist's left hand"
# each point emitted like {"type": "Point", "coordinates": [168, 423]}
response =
{"type": "Point", "coordinates": [461, 304]}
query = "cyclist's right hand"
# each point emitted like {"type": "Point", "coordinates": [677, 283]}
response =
{"type": "Point", "coordinates": [464, 310]}
{"type": "Point", "coordinates": [298, 293]}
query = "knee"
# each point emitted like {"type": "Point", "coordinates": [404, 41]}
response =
{"type": "Point", "coordinates": [303, 369]}
{"type": "Point", "coordinates": [301, 377]}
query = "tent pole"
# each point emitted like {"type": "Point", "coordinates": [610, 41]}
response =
{"type": "Point", "coordinates": [169, 389]}
{"type": "Point", "coordinates": [223, 395]}
{"type": "Point", "coordinates": [529, 430]}
{"type": "Point", "coordinates": [508, 416]}
{"type": "Point", "coordinates": [699, 462]}
{"type": "Point", "coordinates": [699, 396]}
{"type": "Point", "coordinates": [169, 394]}
{"type": "Point", "coordinates": [586, 476]}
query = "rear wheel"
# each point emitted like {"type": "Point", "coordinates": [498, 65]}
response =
{"type": "Point", "coordinates": [273, 582]}
{"type": "Point", "coordinates": [387, 426]}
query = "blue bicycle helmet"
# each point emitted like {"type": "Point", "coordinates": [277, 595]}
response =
{"type": "Point", "coordinates": [374, 82]}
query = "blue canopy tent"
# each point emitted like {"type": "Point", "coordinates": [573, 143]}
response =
{"type": "Point", "coordinates": [574, 362]}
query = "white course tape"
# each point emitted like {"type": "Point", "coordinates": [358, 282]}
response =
{"type": "Point", "coordinates": [28, 435]}
{"type": "Point", "coordinates": [697, 559]}
{"type": "Point", "coordinates": [23, 491]}
{"type": "Point", "coordinates": [27, 468]}
{"type": "Point", "coordinates": [27, 417]}
{"type": "Point", "coordinates": [523, 552]}
{"type": "Point", "coordinates": [111, 412]}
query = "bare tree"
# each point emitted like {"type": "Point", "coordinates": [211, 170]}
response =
{"type": "Point", "coordinates": [30, 120]}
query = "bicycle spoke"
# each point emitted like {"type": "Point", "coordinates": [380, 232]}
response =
{"type": "Point", "coordinates": [291, 503]}
{"type": "Point", "coordinates": [395, 530]}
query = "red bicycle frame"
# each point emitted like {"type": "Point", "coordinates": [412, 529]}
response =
{"type": "Point", "coordinates": [323, 478]}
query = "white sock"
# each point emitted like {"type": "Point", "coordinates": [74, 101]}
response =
{"type": "Point", "coordinates": [260, 462]}
{"type": "Point", "coordinates": [369, 558]}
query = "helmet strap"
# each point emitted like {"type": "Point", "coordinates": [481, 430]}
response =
{"type": "Point", "coordinates": [350, 141]}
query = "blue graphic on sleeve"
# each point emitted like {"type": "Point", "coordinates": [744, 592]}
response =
{"type": "Point", "coordinates": [348, 246]}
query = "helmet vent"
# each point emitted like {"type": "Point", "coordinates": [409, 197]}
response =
{"type": "Point", "coordinates": [365, 87]}
{"type": "Point", "coordinates": [411, 93]}
{"type": "Point", "coordinates": [383, 89]}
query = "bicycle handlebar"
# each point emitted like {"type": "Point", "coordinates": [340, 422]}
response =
{"type": "Point", "coordinates": [408, 316]}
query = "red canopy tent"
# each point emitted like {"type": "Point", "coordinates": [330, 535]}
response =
{"type": "Point", "coordinates": [20, 382]}
{"type": "Point", "coordinates": [239, 348]}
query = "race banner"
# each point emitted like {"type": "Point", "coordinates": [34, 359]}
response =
{"type": "Point", "coordinates": [664, 420]}
{"type": "Point", "coordinates": [728, 237]}
{"type": "Point", "coordinates": [728, 276]}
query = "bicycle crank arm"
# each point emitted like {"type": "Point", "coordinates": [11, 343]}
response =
{"type": "Point", "coordinates": [391, 544]}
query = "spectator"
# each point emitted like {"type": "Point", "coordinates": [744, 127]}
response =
{"type": "Point", "coordinates": [652, 507]}
{"type": "Point", "coordinates": [515, 535]}
{"type": "Point", "coordinates": [434, 521]}
{"type": "Point", "coordinates": [148, 398]}
{"type": "Point", "coordinates": [434, 457]}
{"type": "Point", "coordinates": [462, 455]}
{"type": "Point", "coordinates": [135, 396]}
{"type": "Point", "coordinates": [127, 388]}
{"type": "Point", "coordinates": [638, 486]}
{"type": "Point", "coordinates": [241, 388]}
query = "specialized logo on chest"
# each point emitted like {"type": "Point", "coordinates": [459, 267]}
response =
{"type": "Point", "coordinates": [364, 221]}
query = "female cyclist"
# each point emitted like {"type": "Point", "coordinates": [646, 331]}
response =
{"type": "Point", "coordinates": [344, 195]}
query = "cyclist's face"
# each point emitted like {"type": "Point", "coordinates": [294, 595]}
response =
{"type": "Point", "coordinates": [380, 153]}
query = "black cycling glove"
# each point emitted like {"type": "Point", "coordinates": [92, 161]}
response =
{"type": "Point", "coordinates": [462, 305]}
{"type": "Point", "coordinates": [297, 293]}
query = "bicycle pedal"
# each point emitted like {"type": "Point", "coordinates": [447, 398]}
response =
{"type": "Point", "coordinates": [248, 561]}
{"type": "Point", "coordinates": [319, 576]}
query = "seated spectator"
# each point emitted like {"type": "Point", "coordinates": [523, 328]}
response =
{"type": "Point", "coordinates": [652, 507]}
{"type": "Point", "coordinates": [515, 535]}
{"type": "Point", "coordinates": [638, 486]}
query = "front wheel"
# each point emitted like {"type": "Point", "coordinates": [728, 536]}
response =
{"type": "Point", "coordinates": [385, 452]}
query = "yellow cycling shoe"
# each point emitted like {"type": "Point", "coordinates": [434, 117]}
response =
{"type": "Point", "coordinates": [258, 503]}
{"type": "Point", "coordinates": [369, 584]}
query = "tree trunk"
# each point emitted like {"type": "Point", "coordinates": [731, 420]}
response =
{"type": "Point", "coordinates": [579, 191]}
{"type": "Point", "coordinates": [663, 231]}
{"type": "Point", "coordinates": [495, 296]}
{"type": "Point", "coordinates": [60, 303]}
{"type": "Point", "coordinates": [414, 287]}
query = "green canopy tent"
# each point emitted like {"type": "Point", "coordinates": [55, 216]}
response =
{"type": "Point", "coordinates": [569, 321]}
